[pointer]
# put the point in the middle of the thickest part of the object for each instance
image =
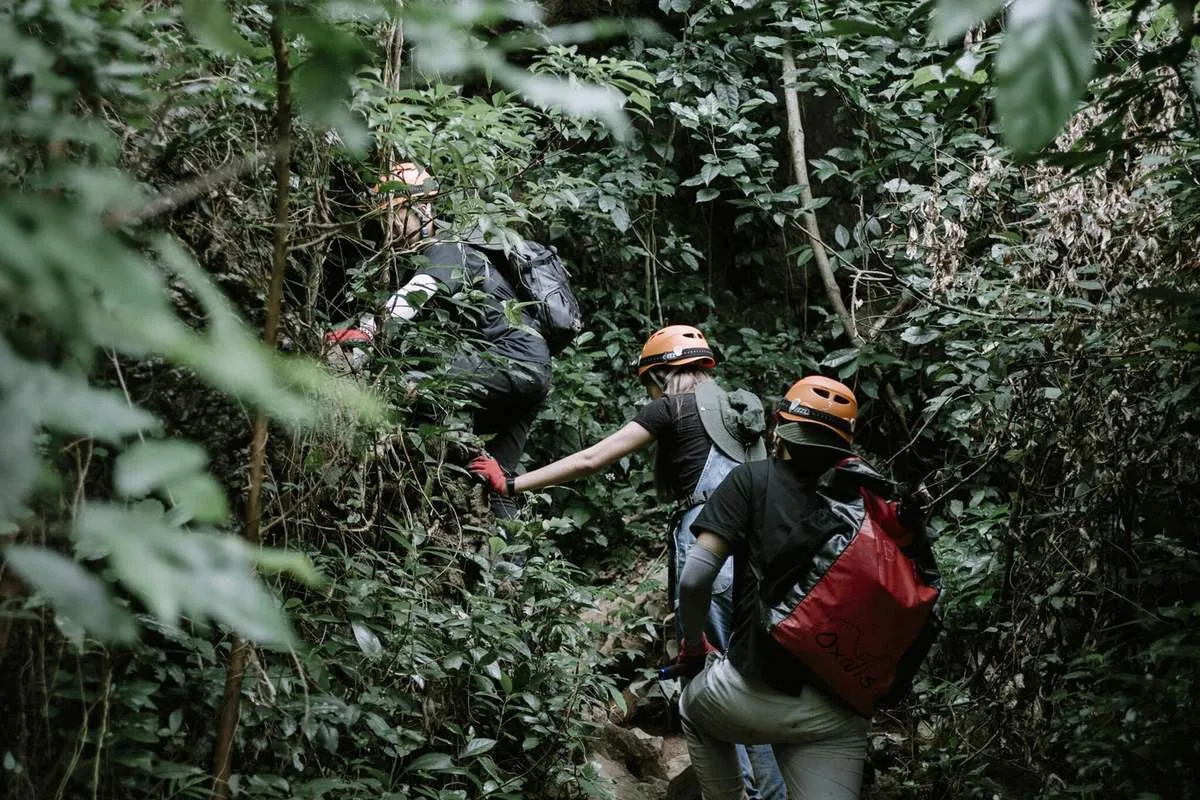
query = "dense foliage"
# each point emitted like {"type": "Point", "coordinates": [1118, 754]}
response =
{"type": "Point", "coordinates": [1007, 200]}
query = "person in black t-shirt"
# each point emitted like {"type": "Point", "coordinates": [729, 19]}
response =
{"type": "Point", "coordinates": [675, 365]}
{"type": "Point", "coordinates": [507, 381]}
{"type": "Point", "coordinates": [764, 515]}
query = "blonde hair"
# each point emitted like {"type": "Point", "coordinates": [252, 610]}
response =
{"type": "Point", "coordinates": [678, 380]}
{"type": "Point", "coordinates": [685, 379]}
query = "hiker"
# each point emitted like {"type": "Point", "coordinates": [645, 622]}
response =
{"type": "Point", "coordinates": [773, 519]}
{"type": "Point", "coordinates": [508, 380]}
{"type": "Point", "coordinates": [702, 433]}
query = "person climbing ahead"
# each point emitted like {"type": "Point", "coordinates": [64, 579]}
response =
{"type": "Point", "coordinates": [702, 433]}
{"type": "Point", "coordinates": [509, 378]}
{"type": "Point", "coordinates": [764, 514]}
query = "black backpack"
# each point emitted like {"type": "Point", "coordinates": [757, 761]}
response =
{"type": "Point", "coordinates": [539, 277]}
{"type": "Point", "coordinates": [542, 278]}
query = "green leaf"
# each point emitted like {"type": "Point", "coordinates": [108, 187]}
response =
{"type": "Point", "coordinates": [272, 560]}
{"type": "Point", "coordinates": [18, 456]}
{"type": "Point", "coordinates": [195, 574]}
{"type": "Point", "coordinates": [151, 464]}
{"type": "Point", "coordinates": [74, 592]}
{"type": "Point", "coordinates": [431, 762]}
{"type": "Point", "coordinates": [839, 357]}
{"type": "Point", "coordinates": [1042, 69]}
{"type": "Point", "coordinates": [367, 641]}
{"type": "Point", "coordinates": [573, 98]}
{"type": "Point", "coordinates": [768, 42]}
{"type": "Point", "coordinates": [841, 235]}
{"type": "Point", "coordinates": [620, 218]}
{"type": "Point", "coordinates": [199, 497]}
{"type": "Point", "coordinates": [857, 27]}
{"type": "Point", "coordinates": [953, 18]}
{"type": "Point", "coordinates": [706, 194]}
{"type": "Point", "coordinates": [322, 82]}
{"type": "Point", "coordinates": [211, 24]}
{"type": "Point", "coordinates": [919, 334]}
{"type": "Point", "coordinates": [65, 402]}
{"type": "Point", "coordinates": [477, 747]}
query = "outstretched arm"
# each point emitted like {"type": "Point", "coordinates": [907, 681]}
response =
{"type": "Point", "coordinates": [620, 444]}
{"type": "Point", "coordinates": [400, 308]}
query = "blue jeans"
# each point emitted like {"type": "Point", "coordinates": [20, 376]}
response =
{"type": "Point", "coordinates": [760, 773]}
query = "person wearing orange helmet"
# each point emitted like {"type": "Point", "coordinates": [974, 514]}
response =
{"type": "Point", "coordinates": [701, 433]}
{"type": "Point", "coordinates": [507, 379]}
{"type": "Point", "coordinates": [765, 515]}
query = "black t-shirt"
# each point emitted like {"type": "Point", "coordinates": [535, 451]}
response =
{"type": "Point", "coordinates": [674, 422]}
{"type": "Point", "coordinates": [454, 266]}
{"type": "Point", "coordinates": [767, 512]}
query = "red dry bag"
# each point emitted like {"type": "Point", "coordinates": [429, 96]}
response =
{"type": "Point", "coordinates": [854, 616]}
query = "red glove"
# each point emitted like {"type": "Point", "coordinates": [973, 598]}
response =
{"type": "Point", "coordinates": [693, 656]}
{"type": "Point", "coordinates": [492, 475]}
{"type": "Point", "coordinates": [348, 336]}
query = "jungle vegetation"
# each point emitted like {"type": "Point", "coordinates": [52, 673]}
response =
{"type": "Point", "coordinates": [228, 571]}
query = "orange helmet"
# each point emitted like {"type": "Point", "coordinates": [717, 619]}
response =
{"type": "Point", "coordinates": [419, 185]}
{"type": "Point", "coordinates": [412, 201]}
{"type": "Point", "coordinates": [821, 401]}
{"type": "Point", "coordinates": [676, 345]}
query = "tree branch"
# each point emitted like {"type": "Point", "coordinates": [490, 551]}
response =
{"type": "Point", "coordinates": [800, 166]}
{"type": "Point", "coordinates": [179, 196]}
{"type": "Point", "coordinates": [231, 704]}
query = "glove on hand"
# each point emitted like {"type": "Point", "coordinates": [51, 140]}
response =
{"type": "Point", "coordinates": [692, 656]}
{"type": "Point", "coordinates": [348, 336]}
{"type": "Point", "coordinates": [362, 333]}
{"type": "Point", "coordinates": [701, 649]}
{"type": "Point", "coordinates": [489, 472]}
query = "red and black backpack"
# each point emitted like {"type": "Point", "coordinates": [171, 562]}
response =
{"type": "Point", "coordinates": [859, 611]}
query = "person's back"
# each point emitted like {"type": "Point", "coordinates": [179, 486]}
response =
{"type": "Point", "coordinates": [765, 514]}
{"type": "Point", "coordinates": [507, 379]}
{"type": "Point", "coordinates": [693, 456]}
{"type": "Point", "coordinates": [454, 266]}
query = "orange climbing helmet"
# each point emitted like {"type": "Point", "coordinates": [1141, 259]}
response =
{"type": "Point", "coordinates": [676, 345]}
{"type": "Point", "coordinates": [419, 186]}
{"type": "Point", "coordinates": [813, 401]}
{"type": "Point", "coordinates": [413, 198]}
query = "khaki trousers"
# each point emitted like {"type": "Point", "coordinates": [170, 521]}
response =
{"type": "Point", "coordinates": [820, 745]}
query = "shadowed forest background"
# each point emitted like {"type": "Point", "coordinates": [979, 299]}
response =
{"type": "Point", "coordinates": [984, 219]}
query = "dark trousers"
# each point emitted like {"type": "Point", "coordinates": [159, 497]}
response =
{"type": "Point", "coordinates": [506, 397]}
